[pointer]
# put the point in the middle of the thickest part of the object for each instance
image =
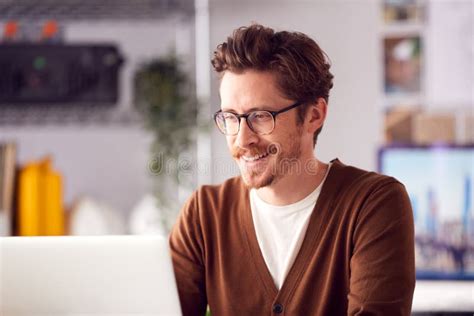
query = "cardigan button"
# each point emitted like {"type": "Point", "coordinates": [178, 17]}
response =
{"type": "Point", "coordinates": [277, 308]}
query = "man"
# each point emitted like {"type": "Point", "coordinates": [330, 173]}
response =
{"type": "Point", "coordinates": [292, 235]}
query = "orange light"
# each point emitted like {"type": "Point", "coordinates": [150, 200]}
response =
{"type": "Point", "coordinates": [50, 29]}
{"type": "Point", "coordinates": [10, 29]}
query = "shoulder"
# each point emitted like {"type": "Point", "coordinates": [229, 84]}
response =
{"type": "Point", "coordinates": [364, 194]}
{"type": "Point", "coordinates": [207, 205]}
{"type": "Point", "coordinates": [356, 191]}
{"type": "Point", "coordinates": [353, 180]}
{"type": "Point", "coordinates": [213, 199]}
{"type": "Point", "coordinates": [228, 189]}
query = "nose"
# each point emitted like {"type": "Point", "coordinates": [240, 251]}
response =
{"type": "Point", "coordinates": [245, 137]}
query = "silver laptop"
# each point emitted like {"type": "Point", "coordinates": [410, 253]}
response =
{"type": "Point", "coordinates": [106, 275]}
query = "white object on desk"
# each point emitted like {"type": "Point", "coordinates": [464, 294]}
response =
{"type": "Point", "coordinates": [90, 218]}
{"type": "Point", "coordinates": [146, 218]}
{"type": "Point", "coordinates": [443, 296]}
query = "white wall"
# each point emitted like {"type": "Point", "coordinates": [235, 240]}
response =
{"type": "Point", "coordinates": [450, 54]}
{"type": "Point", "coordinates": [348, 32]}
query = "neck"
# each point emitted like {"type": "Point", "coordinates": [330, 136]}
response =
{"type": "Point", "coordinates": [294, 186]}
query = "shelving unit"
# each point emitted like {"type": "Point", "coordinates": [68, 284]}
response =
{"type": "Point", "coordinates": [66, 115]}
{"type": "Point", "coordinates": [403, 30]}
{"type": "Point", "coordinates": [74, 12]}
{"type": "Point", "coordinates": [400, 28]}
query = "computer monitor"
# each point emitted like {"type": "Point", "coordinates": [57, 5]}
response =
{"type": "Point", "coordinates": [439, 181]}
{"type": "Point", "coordinates": [102, 275]}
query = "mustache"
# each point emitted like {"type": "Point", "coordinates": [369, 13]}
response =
{"type": "Point", "coordinates": [272, 149]}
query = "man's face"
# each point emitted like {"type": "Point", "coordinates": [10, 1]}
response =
{"type": "Point", "coordinates": [262, 159]}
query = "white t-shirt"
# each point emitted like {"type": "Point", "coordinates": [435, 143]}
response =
{"type": "Point", "coordinates": [281, 229]}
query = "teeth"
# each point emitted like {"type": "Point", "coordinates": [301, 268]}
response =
{"type": "Point", "coordinates": [256, 157]}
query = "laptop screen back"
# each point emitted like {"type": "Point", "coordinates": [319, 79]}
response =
{"type": "Point", "coordinates": [106, 275]}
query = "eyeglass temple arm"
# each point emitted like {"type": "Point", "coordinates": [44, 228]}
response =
{"type": "Point", "coordinates": [274, 113]}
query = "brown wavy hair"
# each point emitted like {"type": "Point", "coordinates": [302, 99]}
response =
{"type": "Point", "coordinates": [300, 66]}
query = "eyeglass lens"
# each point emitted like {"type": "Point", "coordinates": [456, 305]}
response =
{"type": "Point", "coordinates": [261, 122]}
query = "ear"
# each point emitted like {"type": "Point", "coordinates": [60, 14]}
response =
{"type": "Point", "coordinates": [316, 115]}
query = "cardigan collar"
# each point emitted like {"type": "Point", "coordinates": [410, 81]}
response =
{"type": "Point", "coordinates": [318, 217]}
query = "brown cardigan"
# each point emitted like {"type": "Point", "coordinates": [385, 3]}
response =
{"type": "Point", "coordinates": [357, 257]}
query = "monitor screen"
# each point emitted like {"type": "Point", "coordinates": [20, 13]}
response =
{"type": "Point", "coordinates": [439, 181]}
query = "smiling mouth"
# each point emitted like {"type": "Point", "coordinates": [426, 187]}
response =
{"type": "Point", "coordinates": [254, 158]}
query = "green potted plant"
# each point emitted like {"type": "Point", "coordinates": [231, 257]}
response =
{"type": "Point", "coordinates": [165, 96]}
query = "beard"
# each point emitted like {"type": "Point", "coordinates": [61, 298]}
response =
{"type": "Point", "coordinates": [281, 159]}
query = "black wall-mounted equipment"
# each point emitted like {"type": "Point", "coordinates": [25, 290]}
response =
{"type": "Point", "coordinates": [57, 73]}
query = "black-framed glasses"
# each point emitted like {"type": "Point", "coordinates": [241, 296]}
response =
{"type": "Point", "coordinates": [260, 122]}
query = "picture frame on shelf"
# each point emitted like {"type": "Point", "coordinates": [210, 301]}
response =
{"type": "Point", "coordinates": [402, 65]}
{"type": "Point", "coordinates": [403, 11]}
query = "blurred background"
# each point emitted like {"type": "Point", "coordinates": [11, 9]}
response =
{"type": "Point", "coordinates": [105, 114]}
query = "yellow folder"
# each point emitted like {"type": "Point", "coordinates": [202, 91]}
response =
{"type": "Point", "coordinates": [29, 212]}
{"type": "Point", "coordinates": [40, 202]}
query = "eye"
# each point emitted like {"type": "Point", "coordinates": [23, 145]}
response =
{"type": "Point", "coordinates": [261, 116]}
{"type": "Point", "coordinates": [229, 116]}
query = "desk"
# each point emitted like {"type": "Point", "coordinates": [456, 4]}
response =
{"type": "Point", "coordinates": [443, 296]}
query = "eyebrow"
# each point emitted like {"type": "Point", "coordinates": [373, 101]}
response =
{"type": "Point", "coordinates": [255, 108]}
